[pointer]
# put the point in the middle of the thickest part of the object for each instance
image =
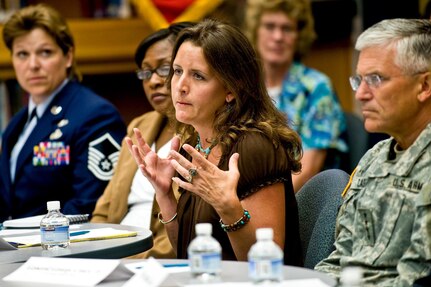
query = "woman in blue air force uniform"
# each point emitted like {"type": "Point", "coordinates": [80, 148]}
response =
{"type": "Point", "coordinates": [65, 143]}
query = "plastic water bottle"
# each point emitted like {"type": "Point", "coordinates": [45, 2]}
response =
{"type": "Point", "coordinates": [265, 258]}
{"type": "Point", "coordinates": [351, 276]}
{"type": "Point", "coordinates": [204, 253]}
{"type": "Point", "coordinates": [54, 228]}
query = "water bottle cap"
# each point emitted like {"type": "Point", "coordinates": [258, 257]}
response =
{"type": "Point", "coordinates": [264, 234]}
{"type": "Point", "coordinates": [51, 205]}
{"type": "Point", "coordinates": [204, 228]}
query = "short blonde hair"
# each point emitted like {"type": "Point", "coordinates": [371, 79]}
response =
{"type": "Point", "coordinates": [300, 10]}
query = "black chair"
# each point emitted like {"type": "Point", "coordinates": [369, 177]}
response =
{"type": "Point", "coordinates": [318, 203]}
{"type": "Point", "coordinates": [423, 282]}
{"type": "Point", "coordinates": [357, 139]}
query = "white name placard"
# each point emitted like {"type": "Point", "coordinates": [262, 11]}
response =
{"type": "Point", "coordinates": [74, 271]}
{"type": "Point", "coordinates": [151, 275]}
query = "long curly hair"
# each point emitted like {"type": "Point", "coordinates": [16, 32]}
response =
{"type": "Point", "coordinates": [300, 10]}
{"type": "Point", "coordinates": [232, 58]}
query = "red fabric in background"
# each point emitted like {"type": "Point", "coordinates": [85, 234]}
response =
{"type": "Point", "coordinates": [171, 9]}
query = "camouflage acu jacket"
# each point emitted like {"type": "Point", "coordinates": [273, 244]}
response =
{"type": "Point", "coordinates": [384, 224]}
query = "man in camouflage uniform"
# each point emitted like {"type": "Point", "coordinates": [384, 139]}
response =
{"type": "Point", "coordinates": [384, 224]}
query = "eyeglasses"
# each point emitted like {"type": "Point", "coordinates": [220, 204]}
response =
{"type": "Point", "coordinates": [271, 27]}
{"type": "Point", "coordinates": [372, 80]}
{"type": "Point", "coordinates": [375, 80]}
{"type": "Point", "coordinates": [146, 74]}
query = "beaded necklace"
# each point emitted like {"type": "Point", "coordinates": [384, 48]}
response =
{"type": "Point", "coordinates": [207, 150]}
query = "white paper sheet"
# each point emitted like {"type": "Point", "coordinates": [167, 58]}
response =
{"type": "Point", "coordinates": [136, 267]}
{"type": "Point", "coordinates": [74, 271]}
{"type": "Point", "coordinates": [33, 222]}
{"type": "Point", "coordinates": [16, 231]}
{"type": "Point", "coordinates": [90, 234]}
{"type": "Point", "coordinates": [312, 282]}
{"type": "Point", "coordinates": [10, 232]}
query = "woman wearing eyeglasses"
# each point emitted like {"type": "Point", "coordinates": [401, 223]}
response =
{"type": "Point", "coordinates": [282, 32]}
{"type": "Point", "coordinates": [129, 197]}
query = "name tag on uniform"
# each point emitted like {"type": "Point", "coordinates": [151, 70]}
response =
{"type": "Point", "coordinates": [51, 154]}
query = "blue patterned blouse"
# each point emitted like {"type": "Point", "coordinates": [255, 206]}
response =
{"type": "Point", "coordinates": [313, 108]}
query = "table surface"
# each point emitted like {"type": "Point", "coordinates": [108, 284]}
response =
{"type": "Point", "coordinates": [232, 271]}
{"type": "Point", "coordinates": [101, 249]}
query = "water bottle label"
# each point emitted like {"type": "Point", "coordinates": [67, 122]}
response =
{"type": "Point", "coordinates": [206, 262]}
{"type": "Point", "coordinates": [266, 269]}
{"type": "Point", "coordinates": [54, 234]}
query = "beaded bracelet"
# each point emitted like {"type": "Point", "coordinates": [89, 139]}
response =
{"type": "Point", "coordinates": [159, 216]}
{"type": "Point", "coordinates": [237, 224]}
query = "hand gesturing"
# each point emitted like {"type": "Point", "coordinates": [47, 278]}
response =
{"type": "Point", "coordinates": [215, 186]}
{"type": "Point", "coordinates": [157, 170]}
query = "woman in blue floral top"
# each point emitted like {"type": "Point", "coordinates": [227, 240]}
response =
{"type": "Point", "coordinates": [282, 32]}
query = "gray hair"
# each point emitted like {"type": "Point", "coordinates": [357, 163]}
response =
{"type": "Point", "coordinates": [410, 37]}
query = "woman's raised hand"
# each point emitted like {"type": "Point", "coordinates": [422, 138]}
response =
{"type": "Point", "coordinates": [215, 186]}
{"type": "Point", "coordinates": [157, 170]}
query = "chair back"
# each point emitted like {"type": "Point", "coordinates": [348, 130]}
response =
{"type": "Point", "coordinates": [357, 139]}
{"type": "Point", "coordinates": [318, 203]}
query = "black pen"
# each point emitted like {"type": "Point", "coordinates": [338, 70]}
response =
{"type": "Point", "coordinates": [15, 244]}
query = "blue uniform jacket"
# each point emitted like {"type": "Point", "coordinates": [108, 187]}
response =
{"type": "Point", "coordinates": [69, 156]}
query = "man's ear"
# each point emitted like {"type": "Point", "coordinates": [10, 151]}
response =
{"type": "Point", "coordinates": [425, 92]}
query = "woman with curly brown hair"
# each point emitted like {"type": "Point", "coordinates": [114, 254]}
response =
{"type": "Point", "coordinates": [233, 166]}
